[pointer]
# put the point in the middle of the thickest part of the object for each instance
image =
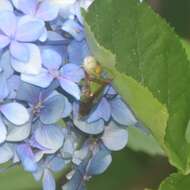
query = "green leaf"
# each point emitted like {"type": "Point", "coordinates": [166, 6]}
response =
{"type": "Point", "coordinates": [18, 179]}
{"type": "Point", "coordinates": [140, 141]}
{"type": "Point", "coordinates": [186, 45]}
{"type": "Point", "coordinates": [176, 182]}
{"type": "Point", "coordinates": [151, 72]}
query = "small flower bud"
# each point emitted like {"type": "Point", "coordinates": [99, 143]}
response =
{"type": "Point", "coordinates": [91, 66]}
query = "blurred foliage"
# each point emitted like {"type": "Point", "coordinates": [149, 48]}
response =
{"type": "Point", "coordinates": [132, 171]}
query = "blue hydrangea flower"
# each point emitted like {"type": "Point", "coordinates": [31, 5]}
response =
{"type": "Point", "coordinates": [46, 104]}
{"type": "Point", "coordinates": [68, 75]}
{"type": "Point", "coordinates": [42, 50]}
{"type": "Point", "coordinates": [15, 34]}
{"type": "Point", "coordinates": [45, 10]}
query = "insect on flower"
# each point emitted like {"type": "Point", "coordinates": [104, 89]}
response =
{"type": "Point", "coordinates": [93, 73]}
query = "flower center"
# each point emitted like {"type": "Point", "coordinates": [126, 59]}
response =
{"type": "Point", "coordinates": [55, 73]}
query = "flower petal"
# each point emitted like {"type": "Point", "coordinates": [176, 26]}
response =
{"type": "Point", "coordinates": [67, 109]}
{"type": "Point", "coordinates": [74, 29]}
{"type": "Point", "coordinates": [94, 128]}
{"type": "Point", "coordinates": [26, 6]}
{"type": "Point", "coordinates": [50, 136]}
{"type": "Point", "coordinates": [78, 51]}
{"type": "Point", "coordinates": [77, 181]}
{"type": "Point", "coordinates": [51, 59]}
{"type": "Point", "coordinates": [13, 84]}
{"type": "Point", "coordinates": [27, 158]}
{"type": "Point", "coordinates": [29, 29]}
{"type": "Point", "coordinates": [4, 41]}
{"type": "Point", "coordinates": [103, 111]}
{"type": "Point", "coordinates": [5, 6]}
{"type": "Point", "coordinates": [33, 66]}
{"type": "Point", "coordinates": [8, 22]}
{"type": "Point", "coordinates": [53, 109]}
{"type": "Point", "coordinates": [19, 51]}
{"type": "Point", "coordinates": [20, 133]}
{"type": "Point", "coordinates": [121, 113]}
{"type": "Point", "coordinates": [47, 11]}
{"type": "Point", "coordinates": [43, 79]}
{"type": "Point", "coordinates": [115, 138]}
{"type": "Point", "coordinates": [44, 35]}
{"type": "Point", "coordinates": [6, 153]}
{"type": "Point", "coordinates": [56, 164]}
{"type": "Point", "coordinates": [15, 113]}
{"type": "Point", "coordinates": [4, 90]}
{"type": "Point", "coordinates": [73, 72]}
{"type": "Point", "coordinates": [70, 87]}
{"type": "Point", "coordinates": [5, 65]}
{"type": "Point", "coordinates": [3, 131]}
{"type": "Point", "coordinates": [48, 181]}
{"type": "Point", "coordinates": [98, 167]}
{"type": "Point", "coordinates": [28, 93]}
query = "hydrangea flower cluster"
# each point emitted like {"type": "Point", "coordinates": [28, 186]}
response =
{"type": "Point", "coordinates": [49, 119]}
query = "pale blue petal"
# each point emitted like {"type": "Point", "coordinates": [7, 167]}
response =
{"type": "Point", "coordinates": [56, 164]}
{"type": "Point", "coordinates": [29, 29]}
{"type": "Point", "coordinates": [19, 51]}
{"type": "Point", "coordinates": [72, 72]}
{"type": "Point", "coordinates": [78, 51]}
{"type": "Point", "coordinates": [103, 111]}
{"type": "Point", "coordinates": [50, 136]}
{"type": "Point", "coordinates": [4, 41]}
{"type": "Point", "coordinates": [44, 35]}
{"type": "Point", "coordinates": [68, 148]}
{"type": "Point", "coordinates": [6, 153]}
{"type": "Point", "coordinates": [26, 6]}
{"type": "Point", "coordinates": [5, 64]}
{"type": "Point", "coordinates": [20, 133]}
{"type": "Point", "coordinates": [70, 87]}
{"type": "Point", "coordinates": [114, 138]}
{"type": "Point", "coordinates": [86, 3]}
{"type": "Point", "coordinates": [15, 113]}
{"type": "Point", "coordinates": [110, 91]}
{"type": "Point", "coordinates": [67, 109]}
{"type": "Point", "coordinates": [48, 181]}
{"type": "Point", "coordinates": [5, 6]}
{"type": "Point", "coordinates": [89, 128]}
{"type": "Point", "coordinates": [33, 66]}
{"type": "Point", "coordinates": [13, 85]}
{"type": "Point", "coordinates": [51, 59]}
{"type": "Point", "coordinates": [121, 113]}
{"type": "Point", "coordinates": [74, 29]}
{"type": "Point", "coordinates": [4, 90]}
{"type": "Point", "coordinates": [54, 36]}
{"type": "Point", "coordinates": [43, 79]}
{"type": "Point", "coordinates": [27, 158]}
{"type": "Point", "coordinates": [80, 155]}
{"type": "Point", "coordinates": [94, 128]}
{"type": "Point", "coordinates": [76, 10]}
{"type": "Point", "coordinates": [3, 131]}
{"type": "Point", "coordinates": [47, 10]}
{"type": "Point", "coordinates": [99, 163]}
{"type": "Point", "coordinates": [77, 181]}
{"type": "Point", "coordinates": [38, 174]}
{"type": "Point", "coordinates": [52, 109]}
{"type": "Point", "coordinates": [8, 22]}
{"type": "Point", "coordinates": [28, 93]}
